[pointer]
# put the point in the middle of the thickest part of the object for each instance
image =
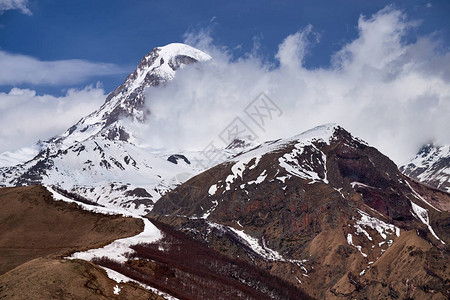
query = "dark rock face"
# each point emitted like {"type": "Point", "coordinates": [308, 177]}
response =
{"type": "Point", "coordinates": [176, 157]}
{"type": "Point", "coordinates": [118, 133]}
{"type": "Point", "coordinates": [138, 192]}
{"type": "Point", "coordinates": [339, 186]}
{"type": "Point", "coordinates": [376, 176]}
{"type": "Point", "coordinates": [176, 62]}
{"type": "Point", "coordinates": [236, 143]}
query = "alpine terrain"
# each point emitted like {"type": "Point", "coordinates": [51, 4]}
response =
{"type": "Point", "coordinates": [98, 214]}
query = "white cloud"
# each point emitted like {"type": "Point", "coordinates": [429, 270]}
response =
{"type": "Point", "coordinates": [19, 69]}
{"type": "Point", "coordinates": [292, 51]}
{"type": "Point", "coordinates": [15, 4]}
{"type": "Point", "coordinates": [393, 94]}
{"type": "Point", "coordinates": [26, 117]}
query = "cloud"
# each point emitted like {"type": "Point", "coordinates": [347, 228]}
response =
{"type": "Point", "coordinates": [292, 51]}
{"type": "Point", "coordinates": [20, 5]}
{"type": "Point", "coordinates": [392, 93]}
{"type": "Point", "coordinates": [20, 69]}
{"type": "Point", "coordinates": [27, 117]}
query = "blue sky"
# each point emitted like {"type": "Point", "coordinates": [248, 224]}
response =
{"type": "Point", "coordinates": [379, 68]}
{"type": "Point", "coordinates": [122, 32]}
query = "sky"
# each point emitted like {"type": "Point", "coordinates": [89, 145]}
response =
{"type": "Point", "coordinates": [379, 68]}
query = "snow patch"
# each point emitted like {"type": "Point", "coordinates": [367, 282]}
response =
{"type": "Point", "coordinates": [212, 189]}
{"type": "Point", "coordinates": [120, 278]}
{"type": "Point", "coordinates": [303, 168]}
{"type": "Point", "coordinates": [117, 290]}
{"type": "Point", "coordinates": [381, 227]}
{"type": "Point", "coordinates": [117, 249]}
{"type": "Point", "coordinates": [260, 178]}
{"type": "Point", "coordinates": [359, 184]}
{"type": "Point", "coordinates": [422, 214]}
{"type": "Point", "coordinates": [260, 249]}
{"type": "Point", "coordinates": [209, 211]}
{"type": "Point", "coordinates": [253, 243]}
{"type": "Point", "coordinates": [418, 196]}
{"type": "Point", "coordinates": [350, 242]}
{"type": "Point", "coordinates": [283, 178]}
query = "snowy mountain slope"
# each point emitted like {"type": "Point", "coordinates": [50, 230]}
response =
{"type": "Point", "coordinates": [99, 158]}
{"type": "Point", "coordinates": [431, 166]}
{"type": "Point", "coordinates": [322, 204]}
{"type": "Point", "coordinates": [127, 101]}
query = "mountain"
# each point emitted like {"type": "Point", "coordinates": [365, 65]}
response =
{"type": "Point", "coordinates": [431, 166]}
{"type": "Point", "coordinates": [322, 214]}
{"type": "Point", "coordinates": [101, 157]}
{"type": "Point", "coordinates": [323, 211]}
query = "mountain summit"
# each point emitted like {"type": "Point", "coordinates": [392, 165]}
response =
{"type": "Point", "coordinates": [98, 158]}
{"type": "Point", "coordinates": [127, 101]}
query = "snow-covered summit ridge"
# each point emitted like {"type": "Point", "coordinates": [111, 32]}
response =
{"type": "Point", "coordinates": [163, 62]}
{"type": "Point", "coordinates": [127, 102]}
{"type": "Point", "coordinates": [431, 165]}
{"type": "Point", "coordinates": [299, 155]}
{"type": "Point", "coordinates": [325, 133]}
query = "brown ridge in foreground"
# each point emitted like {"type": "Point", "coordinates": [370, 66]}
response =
{"type": "Point", "coordinates": [36, 232]}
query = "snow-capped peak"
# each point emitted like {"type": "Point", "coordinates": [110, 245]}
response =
{"type": "Point", "coordinates": [176, 49]}
{"type": "Point", "coordinates": [323, 132]}
{"type": "Point", "coordinates": [98, 157]}
{"type": "Point", "coordinates": [127, 102]}
{"type": "Point", "coordinates": [431, 165]}
{"type": "Point", "coordinates": [163, 62]}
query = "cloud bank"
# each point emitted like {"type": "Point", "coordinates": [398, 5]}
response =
{"type": "Point", "coordinates": [21, 5]}
{"type": "Point", "coordinates": [27, 117]}
{"type": "Point", "coordinates": [391, 92]}
{"type": "Point", "coordinates": [23, 69]}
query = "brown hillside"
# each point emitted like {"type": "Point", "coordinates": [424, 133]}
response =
{"type": "Point", "coordinates": [45, 278]}
{"type": "Point", "coordinates": [36, 231]}
{"type": "Point", "coordinates": [33, 225]}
